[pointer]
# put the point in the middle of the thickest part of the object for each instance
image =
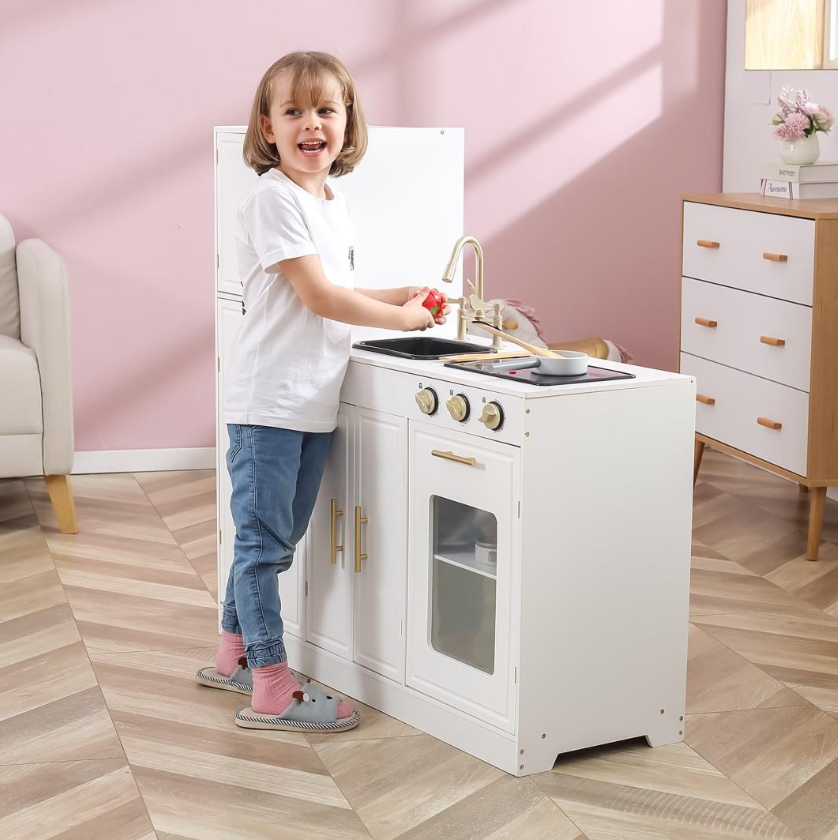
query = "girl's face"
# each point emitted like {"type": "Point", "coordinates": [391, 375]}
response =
{"type": "Point", "coordinates": [308, 138]}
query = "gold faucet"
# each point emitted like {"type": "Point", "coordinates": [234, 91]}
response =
{"type": "Point", "coordinates": [467, 312]}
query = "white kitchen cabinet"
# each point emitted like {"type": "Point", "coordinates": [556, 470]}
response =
{"type": "Point", "coordinates": [329, 569]}
{"type": "Point", "coordinates": [228, 319]}
{"type": "Point", "coordinates": [233, 182]}
{"type": "Point", "coordinates": [575, 633]}
{"type": "Point", "coordinates": [463, 494]}
{"type": "Point", "coordinates": [357, 544]}
{"type": "Point", "coordinates": [379, 556]}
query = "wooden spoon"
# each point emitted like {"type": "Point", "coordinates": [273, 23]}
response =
{"type": "Point", "coordinates": [479, 357]}
{"type": "Point", "coordinates": [536, 351]}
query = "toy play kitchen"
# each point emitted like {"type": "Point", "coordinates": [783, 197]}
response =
{"type": "Point", "coordinates": [498, 557]}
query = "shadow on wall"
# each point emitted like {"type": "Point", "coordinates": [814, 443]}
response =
{"type": "Point", "coordinates": [604, 249]}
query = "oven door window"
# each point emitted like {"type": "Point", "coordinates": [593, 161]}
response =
{"type": "Point", "coordinates": [463, 582]}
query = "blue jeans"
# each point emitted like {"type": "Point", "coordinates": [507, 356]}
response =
{"type": "Point", "coordinates": [276, 474]}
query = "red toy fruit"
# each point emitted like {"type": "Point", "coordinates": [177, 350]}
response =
{"type": "Point", "coordinates": [433, 302]}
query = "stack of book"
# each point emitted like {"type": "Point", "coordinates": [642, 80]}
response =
{"type": "Point", "coordinates": [787, 180]}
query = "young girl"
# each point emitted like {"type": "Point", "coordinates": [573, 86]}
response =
{"type": "Point", "coordinates": [295, 254]}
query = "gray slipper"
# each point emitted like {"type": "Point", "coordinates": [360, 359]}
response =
{"type": "Point", "coordinates": [240, 680]}
{"type": "Point", "coordinates": [311, 710]}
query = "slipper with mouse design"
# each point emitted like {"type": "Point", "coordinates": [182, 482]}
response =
{"type": "Point", "coordinates": [311, 710]}
{"type": "Point", "coordinates": [240, 680]}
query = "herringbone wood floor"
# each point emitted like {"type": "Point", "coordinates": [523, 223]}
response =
{"type": "Point", "coordinates": [105, 736]}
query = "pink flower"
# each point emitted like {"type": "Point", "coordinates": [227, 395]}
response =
{"type": "Point", "coordinates": [824, 120]}
{"type": "Point", "coordinates": [796, 125]}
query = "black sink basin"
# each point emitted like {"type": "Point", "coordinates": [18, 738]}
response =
{"type": "Point", "coordinates": [420, 347]}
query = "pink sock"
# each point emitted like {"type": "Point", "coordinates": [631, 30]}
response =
{"type": "Point", "coordinates": [274, 687]}
{"type": "Point", "coordinates": [230, 651]}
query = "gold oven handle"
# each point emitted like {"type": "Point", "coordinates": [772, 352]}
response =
{"type": "Point", "coordinates": [359, 521]}
{"type": "Point", "coordinates": [335, 548]}
{"type": "Point", "coordinates": [450, 456]}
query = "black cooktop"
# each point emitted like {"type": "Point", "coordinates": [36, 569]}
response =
{"type": "Point", "coordinates": [528, 375]}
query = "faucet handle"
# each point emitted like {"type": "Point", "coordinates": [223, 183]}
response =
{"type": "Point", "coordinates": [471, 286]}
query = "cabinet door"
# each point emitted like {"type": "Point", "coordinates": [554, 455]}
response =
{"type": "Point", "coordinates": [227, 322]}
{"type": "Point", "coordinates": [233, 182]}
{"type": "Point", "coordinates": [329, 566]}
{"type": "Point", "coordinates": [462, 503]}
{"type": "Point", "coordinates": [381, 498]}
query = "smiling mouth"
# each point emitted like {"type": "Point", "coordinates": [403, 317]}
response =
{"type": "Point", "coordinates": [311, 148]}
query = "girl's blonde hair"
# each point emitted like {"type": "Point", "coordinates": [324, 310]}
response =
{"type": "Point", "coordinates": [309, 74]}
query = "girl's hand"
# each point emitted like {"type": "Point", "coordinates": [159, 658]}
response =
{"type": "Point", "coordinates": [439, 318]}
{"type": "Point", "coordinates": [414, 315]}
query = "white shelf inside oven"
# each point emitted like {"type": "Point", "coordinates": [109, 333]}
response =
{"type": "Point", "coordinates": [463, 556]}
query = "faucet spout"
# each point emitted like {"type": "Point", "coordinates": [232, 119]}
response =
{"type": "Point", "coordinates": [467, 313]}
{"type": "Point", "coordinates": [448, 274]}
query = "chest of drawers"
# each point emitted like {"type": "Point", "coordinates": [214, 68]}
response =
{"type": "Point", "coordinates": [759, 331]}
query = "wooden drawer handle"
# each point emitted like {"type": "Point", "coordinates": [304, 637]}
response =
{"type": "Point", "coordinates": [769, 424]}
{"type": "Point", "coordinates": [706, 322]}
{"type": "Point", "coordinates": [775, 257]}
{"type": "Point", "coordinates": [774, 342]}
{"type": "Point", "coordinates": [707, 243]}
{"type": "Point", "coordinates": [705, 399]}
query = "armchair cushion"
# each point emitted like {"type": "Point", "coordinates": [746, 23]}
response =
{"type": "Point", "coordinates": [20, 389]}
{"type": "Point", "coordinates": [45, 329]}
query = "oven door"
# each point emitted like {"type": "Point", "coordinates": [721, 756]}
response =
{"type": "Point", "coordinates": [461, 570]}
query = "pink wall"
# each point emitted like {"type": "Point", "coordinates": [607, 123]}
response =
{"type": "Point", "coordinates": [584, 123]}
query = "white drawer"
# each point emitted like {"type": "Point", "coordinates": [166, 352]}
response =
{"type": "Point", "coordinates": [744, 321]}
{"type": "Point", "coordinates": [739, 400]}
{"type": "Point", "coordinates": [742, 238]}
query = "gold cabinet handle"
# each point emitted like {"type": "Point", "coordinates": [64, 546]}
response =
{"type": "Point", "coordinates": [706, 322]}
{"type": "Point", "coordinates": [767, 255]}
{"type": "Point", "coordinates": [769, 424]}
{"type": "Point", "coordinates": [335, 548]}
{"type": "Point", "coordinates": [702, 398]}
{"type": "Point", "coordinates": [774, 342]}
{"type": "Point", "coordinates": [359, 521]}
{"type": "Point", "coordinates": [707, 243]}
{"type": "Point", "coordinates": [450, 456]}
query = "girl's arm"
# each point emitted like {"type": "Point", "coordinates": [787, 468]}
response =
{"type": "Point", "coordinates": [338, 304]}
{"type": "Point", "coordinates": [397, 296]}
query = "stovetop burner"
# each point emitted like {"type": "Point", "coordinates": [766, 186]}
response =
{"type": "Point", "coordinates": [528, 375]}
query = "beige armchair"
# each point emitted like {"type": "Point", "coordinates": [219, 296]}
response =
{"type": "Point", "coordinates": [36, 402]}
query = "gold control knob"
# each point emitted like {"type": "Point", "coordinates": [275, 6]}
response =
{"type": "Point", "coordinates": [458, 408]}
{"type": "Point", "coordinates": [427, 401]}
{"type": "Point", "coordinates": [492, 416]}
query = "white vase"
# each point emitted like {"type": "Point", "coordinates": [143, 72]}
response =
{"type": "Point", "coordinates": [801, 151]}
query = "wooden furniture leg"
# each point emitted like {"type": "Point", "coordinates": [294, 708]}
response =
{"type": "Point", "coordinates": [699, 452]}
{"type": "Point", "coordinates": [61, 496]}
{"type": "Point", "coordinates": [802, 488]}
{"type": "Point", "coordinates": [817, 498]}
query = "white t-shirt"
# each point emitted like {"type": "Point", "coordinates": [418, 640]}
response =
{"type": "Point", "coordinates": [287, 363]}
